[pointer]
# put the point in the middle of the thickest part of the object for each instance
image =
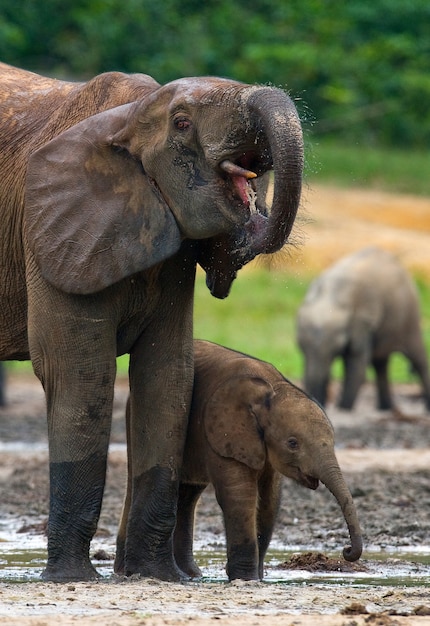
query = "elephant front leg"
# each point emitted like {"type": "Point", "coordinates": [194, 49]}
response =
{"type": "Point", "coordinates": [161, 385]}
{"type": "Point", "coordinates": [236, 492]}
{"type": "Point", "coordinates": [74, 513]}
{"type": "Point", "coordinates": [355, 364]}
{"type": "Point", "coordinates": [189, 495]}
{"type": "Point", "coordinates": [79, 420]}
{"type": "Point", "coordinates": [73, 352]}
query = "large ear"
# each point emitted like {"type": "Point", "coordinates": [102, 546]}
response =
{"type": "Point", "coordinates": [92, 215]}
{"type": "Point", "coordinates": [231, 419]}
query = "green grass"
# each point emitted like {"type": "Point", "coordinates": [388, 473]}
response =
{"type": "Point", "coordinates": [259, 318]}
{"type": "Point", "coordinates": [366, 166]}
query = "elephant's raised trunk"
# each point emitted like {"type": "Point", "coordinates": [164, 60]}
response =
{"type": "Point", "coordinates": [335, 482]}
{"type": "Point", "coordinates": [281, 126]}
{"type": "Point", "coordinates": [274, 115]}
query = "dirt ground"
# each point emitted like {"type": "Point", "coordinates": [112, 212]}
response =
{"type": "Point", "coordinates": [385, 458]}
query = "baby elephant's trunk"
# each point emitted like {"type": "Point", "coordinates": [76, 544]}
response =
{"type": "Point", "coordinates": [334, 481]}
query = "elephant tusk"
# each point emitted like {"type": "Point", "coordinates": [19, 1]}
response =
{"type": "Point", "coordinates": [235, 170]}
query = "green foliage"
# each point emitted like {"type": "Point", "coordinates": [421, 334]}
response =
{"type": "Point", "coordinates": [359, 70]}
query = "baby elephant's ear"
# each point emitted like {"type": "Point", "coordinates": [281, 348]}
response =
{"type": "Point", "coordinates": [231, 420]}
{"type": "Point", "coordinates": [92, 216]}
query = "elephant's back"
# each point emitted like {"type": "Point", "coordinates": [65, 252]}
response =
{"type": "Point", "coordinates": [34, 109]}
{"type": "Point", "coordinates": [371, 273]}
{"type": "Point", "coordinates": [19, 84]}
{"type": "Point", "coordinates": [214, 364]}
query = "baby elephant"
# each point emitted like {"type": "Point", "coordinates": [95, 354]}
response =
{"type": "Point", "coordinates": [247, 426]}
{"type": "Point", "coordinates": [361, 309]}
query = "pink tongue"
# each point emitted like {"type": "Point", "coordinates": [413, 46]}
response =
{"type": "Point", "coordinates": [241, 185]}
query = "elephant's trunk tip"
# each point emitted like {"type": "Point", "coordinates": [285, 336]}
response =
{"type": "Point", "coordinates": [353, 553]}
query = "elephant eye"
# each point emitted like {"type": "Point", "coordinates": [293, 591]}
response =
{"type": "Point", "coordinates": [293, 444]}
{"type": "Point", "coordinates": [182, 123]}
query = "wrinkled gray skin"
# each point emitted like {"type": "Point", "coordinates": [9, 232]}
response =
{"type": "Point", "coordinates": [248, 426]}
{"type": "Point", "coordinates": [111, 191]}
{"type": "Point", "coordinates": [362, 309]}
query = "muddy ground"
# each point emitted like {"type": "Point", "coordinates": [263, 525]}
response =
{"type": "Point", "coordinates": [385, 458]}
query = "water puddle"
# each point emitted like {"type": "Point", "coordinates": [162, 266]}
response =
{"type": "Point", "coordinates": [394, 569]}
{"type": "Point", "coordinates": [23, 557]}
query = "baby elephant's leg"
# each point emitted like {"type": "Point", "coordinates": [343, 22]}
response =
{"type": "Point", "coordinates": [189, 495]}
{"type": "Point", "coordinates": [237, 495]}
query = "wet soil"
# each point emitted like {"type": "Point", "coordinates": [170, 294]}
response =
{"type": "Point", "coordinates": [386, 461]}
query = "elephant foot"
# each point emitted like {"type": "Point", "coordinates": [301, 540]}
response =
{"type": "Point", "coordinates": [168, 572]}
{"type": "Point", "coordinates": [194, 571]}
{"type": "Point", "coordinates": [191, 569]}
{"type": "Point", "coordinates": [242, 572]}
{"type": "Point", "coordinates": [69, 573]}
{"type": "Point", "coordinates": [242, 561]}
{"type": "Point", "coordinates": [243, 576]}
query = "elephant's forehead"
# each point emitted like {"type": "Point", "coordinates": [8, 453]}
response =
{"type": "Point", "coordinates": [198, 89]}
{"type": "Point", "coordinates": [306, 411]}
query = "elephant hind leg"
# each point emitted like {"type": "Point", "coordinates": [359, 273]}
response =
{"type": "Point", "coordinates": [354, 375]}
{"type": "Point", "coordinates": [385, 401]}
{"type": "Point", "coordinates": [189, 495]}
{"type": "Point", "coordinates": [417, 356]}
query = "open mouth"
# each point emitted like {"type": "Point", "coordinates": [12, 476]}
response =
{"type": "Point", "coordinates": [243, 172]}
{"type": "Point", "coordinates": [309, 481]}
{"type": "Point", "coordinates": [241, 178]}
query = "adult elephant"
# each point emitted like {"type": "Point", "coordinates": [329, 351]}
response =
{"type": "Point", "coordinates": [108, 190]}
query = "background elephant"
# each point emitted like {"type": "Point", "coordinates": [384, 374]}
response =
{"type": "Point", "coordinates": [107, 189]}
{"type": "Point", "coordinates": [248, 425]}
{"type": "Point", "coordinates": [361, 309]}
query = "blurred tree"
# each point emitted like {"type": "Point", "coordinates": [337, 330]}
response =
{"type": "Point", "coordinates": [362, 67]}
